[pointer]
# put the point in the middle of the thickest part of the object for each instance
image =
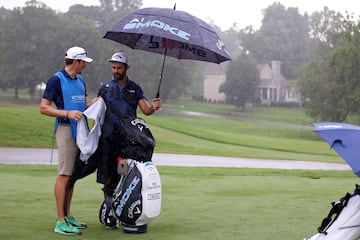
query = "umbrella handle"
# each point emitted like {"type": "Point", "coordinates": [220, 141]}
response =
{"type": "Point", "coordinates": [161, 74]}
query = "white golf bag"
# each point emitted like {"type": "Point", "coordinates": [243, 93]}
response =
{"type": "Point", "coordinates": [137, 198]}
{"type": "Point", "coordinates": [343, 220]}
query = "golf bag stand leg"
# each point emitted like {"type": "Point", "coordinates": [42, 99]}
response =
{"type": "Point", "coordinates": [106, 212]}
{"type": "Point", "coordinates": [113, 188]}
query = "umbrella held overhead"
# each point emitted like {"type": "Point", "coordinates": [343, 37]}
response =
{"type": "Point", "coordinates": [169, 32]}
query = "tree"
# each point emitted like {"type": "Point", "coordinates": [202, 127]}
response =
{"type": "Point", "coordinates": [4, 27]}
{"type": "Point", "coordinates": [283, 36]}
{"type": "Point", "coordinates": [242, 80]}
{"type": "Point", "coordinates": [33, 41]}
{"type": "Point", "coordinates": [325, 28]}
{"type": "Point", "coordinates": [331, 85]}
{"type": "Point", "coordinates": [24, 45]}
{"type": "Point", "coordinates": [326, 25]}
{"type": "Point", "coordinates": [125, 5]}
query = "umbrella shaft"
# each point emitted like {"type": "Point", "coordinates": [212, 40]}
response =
{"type": "Point", "coordinates": [161, 74]}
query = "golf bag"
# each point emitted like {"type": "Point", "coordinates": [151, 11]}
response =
{"type": "Point", "coordinates": [136, 200]}
{"type": "Point", "coordinates": [343, 220]}
{"type": "Point", "coordinates": [133, 197]}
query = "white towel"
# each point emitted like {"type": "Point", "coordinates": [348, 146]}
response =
{"type": "Point", "coordinates": [86, 140]}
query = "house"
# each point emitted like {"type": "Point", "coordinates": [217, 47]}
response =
{"type": "Point", "coordinates": [214, 77]}
{"type": "Point", "coordinates": [273, 86]}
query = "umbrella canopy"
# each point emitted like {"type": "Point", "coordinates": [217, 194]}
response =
{"type": "Point", "coordinates": [344, 139]}
{"type": "Point", "coordinates": [170, 32]}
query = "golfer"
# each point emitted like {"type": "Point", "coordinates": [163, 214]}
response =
{"type": "Point", "coordinates": [122, 96]}
{"type": "Point", "coordinates": [66, 89]}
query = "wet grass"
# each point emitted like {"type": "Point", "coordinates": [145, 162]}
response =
{"type": "Point", "coordinates": [197, 203]}
{"type": "Point", "coordinates": [26, 127]}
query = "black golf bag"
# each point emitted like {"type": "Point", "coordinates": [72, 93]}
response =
{"type": "Point", "coordinates": [133, 197]}
{"type": "Point", "coordinates": [343, 220]}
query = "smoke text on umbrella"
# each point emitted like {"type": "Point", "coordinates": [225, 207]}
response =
{"type": "Point", "coordinates": [135, 23]}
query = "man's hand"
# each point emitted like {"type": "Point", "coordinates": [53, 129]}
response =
{"type": "Point", "coordinates": [156, 104]}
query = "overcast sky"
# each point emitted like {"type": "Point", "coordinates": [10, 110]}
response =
{"type": "Point", "coordinates": [224, 12]}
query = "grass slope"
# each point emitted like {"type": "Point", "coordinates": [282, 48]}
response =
{"type": "Point", "coordinates": [26, 127]}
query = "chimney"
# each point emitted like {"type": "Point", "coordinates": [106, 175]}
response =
{"type": "Point", "coordinates": [276, 71]}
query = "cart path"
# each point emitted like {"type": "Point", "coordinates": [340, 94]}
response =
{"type": "Point", "coordinates": [48, 156]}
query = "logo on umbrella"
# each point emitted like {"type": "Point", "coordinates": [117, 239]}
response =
{"type": "Point", "coordinates": [136, 23]}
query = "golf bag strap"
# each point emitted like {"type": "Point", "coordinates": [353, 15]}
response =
{"type": "Point", "coordinates": [336, 209]}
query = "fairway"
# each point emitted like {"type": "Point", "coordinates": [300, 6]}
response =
{"type": "Point", "coordinates": [198, 203]}
{"type": "Point", "coordinates": [181, 134]}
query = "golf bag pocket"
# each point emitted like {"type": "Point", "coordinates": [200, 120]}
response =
{"type": "Point", "coordinates": [139, 199]}
{"type": "Point", "coordinates": [343, 220]}
{"type": "Point", "coordinates": [137, 140]}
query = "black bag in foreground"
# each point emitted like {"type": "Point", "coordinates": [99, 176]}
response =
{"type": "Point", "coordinates": [343, 220]}
{"type": "Point", "coordinates": [137, 141]}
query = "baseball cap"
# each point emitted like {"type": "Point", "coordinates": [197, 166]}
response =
{"type": "Point", "coordinates": [119, 57]}
{"type": "Point", "coordinates": [77, 53]}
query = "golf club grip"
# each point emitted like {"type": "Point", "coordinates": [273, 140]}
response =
{"type": "Point", "coordinates": [157, 95]}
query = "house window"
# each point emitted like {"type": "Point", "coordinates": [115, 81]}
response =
{"type": "Point", "coordinates": [263, 92]}
{"type": "Point", "coordinates": [275, 94]}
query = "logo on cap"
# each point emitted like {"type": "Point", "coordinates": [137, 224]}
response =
{"type": "Point", "coordinates": [119, 57]}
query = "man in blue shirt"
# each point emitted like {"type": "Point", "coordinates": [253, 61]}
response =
{"type": "Point", "coordinates": [122, 97]}
{"type": "Point", "coordinates": [66, 89]}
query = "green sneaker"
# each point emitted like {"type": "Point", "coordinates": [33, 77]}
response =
{"type": "Point", "coordinates": [75, 223]}
{"type": "Point", "coordinates": [63, 227]}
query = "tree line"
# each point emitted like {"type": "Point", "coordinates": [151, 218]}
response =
{"type": "Point", "coordinates": [320, 50]}
{"type": "Point", "coordinates": [34, 39]}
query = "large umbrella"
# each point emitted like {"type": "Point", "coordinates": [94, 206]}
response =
{"type": "Point", "coordinates": [169, 32]}
{"type": "Point", "coordinates": [344, 139]}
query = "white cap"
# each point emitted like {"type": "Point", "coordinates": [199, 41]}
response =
{"type": "Point", "coordinates": [119, 57]}
{"type": "Point", "coordinates": [77, 53]}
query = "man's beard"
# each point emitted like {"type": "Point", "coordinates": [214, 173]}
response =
{"type": "Point", "coordinates": [119, 77]}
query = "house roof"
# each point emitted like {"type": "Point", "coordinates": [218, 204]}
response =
{"type": "Point", "coordinates": [270, 76]}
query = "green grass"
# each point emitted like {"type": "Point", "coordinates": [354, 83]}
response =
{"type": "Point", "coordinates": [178, 133]}
{"type": "Point", "coordinates": [197, 204]}
{"type": "Point", "coordinates": [280, 114]}
{"type": "Point", "coordinates": [273, 114]}
{"type": "Point", "coordinates": [185, 105]}
{"type": "Point", "coordinates": [25, 127]}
